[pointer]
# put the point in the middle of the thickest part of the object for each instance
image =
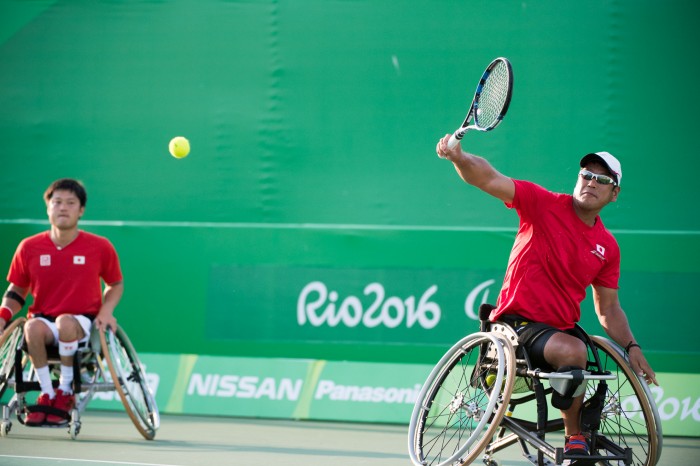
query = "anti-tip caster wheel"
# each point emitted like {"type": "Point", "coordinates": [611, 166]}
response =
{"type": "Point", "coordinates": [5, 428]}
{"type": "Point", "coordinates": [74, 425]}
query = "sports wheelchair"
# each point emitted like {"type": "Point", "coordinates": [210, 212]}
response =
{"type": "Point", "coordinates": [107, 362]}
{"type": "Point", "coordinates": [468, 405]}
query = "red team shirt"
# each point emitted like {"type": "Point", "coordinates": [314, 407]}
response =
{"type": "Point", "coordinates": [555, 258]}
{"type": "Point", "coordinates": [67, 280]}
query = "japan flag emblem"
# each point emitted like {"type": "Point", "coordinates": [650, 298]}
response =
{"type": "Point", "coordinates": [79, 260]}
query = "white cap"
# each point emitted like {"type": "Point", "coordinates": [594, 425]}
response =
{"type": "Point", "coordinates": [607, 159]}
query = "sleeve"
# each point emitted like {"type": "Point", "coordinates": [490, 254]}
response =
{"type": "Point", "coordinates": [19, 273]}
{"type": "Point", "coordinates": [528, 198]}
{"type": "Point", "coordinates": [111, 270]}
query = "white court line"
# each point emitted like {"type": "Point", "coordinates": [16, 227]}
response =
{"type": "Point", "coordinates": [318, 226]}
{"type": "Point", "coordinates": [269, 226]}
{"type": "Point", "coordinates": [74, 460]}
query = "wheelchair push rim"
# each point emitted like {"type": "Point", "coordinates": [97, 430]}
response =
{"type": "Point", "coordinates": [460, 405]}
{"type": "Point", "coordinates": [630, 415]}
{"type": "Point", "coordinates": [130, 381]}
{"type": "Point", "coordinates": [9, 341]}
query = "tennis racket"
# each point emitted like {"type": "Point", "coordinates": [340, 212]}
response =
{"type": "Point", "coordinates": [491, 100]}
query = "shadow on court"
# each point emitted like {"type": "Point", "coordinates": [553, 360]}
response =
{"type": "Point", "coordinates": [111, 439]}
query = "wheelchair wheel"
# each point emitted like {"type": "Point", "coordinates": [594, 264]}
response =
{"type": "Point", "coordinates": [9, 342]}
{"type": "Point", "coordinates": [462, 402]}
{"type": "Point", "coordinates": [130, 382]}
{"type": "Point", "coordinates": [630, 418]}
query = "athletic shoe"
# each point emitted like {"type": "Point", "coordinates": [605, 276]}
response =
{"type": "Point", "coordinates": [63, 401]}
{"type": "Point", "coordinates": [576, 445]}
{"type": "Point", "coordinates": [38, 418]}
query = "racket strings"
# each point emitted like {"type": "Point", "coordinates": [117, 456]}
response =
{"type": "Point", "coordinates": [494, 96]}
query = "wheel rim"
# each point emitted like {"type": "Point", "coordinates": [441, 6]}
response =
{"type": "Point", "coordinates": [130, 382]}
{"type": "Point", "coordinates": [455, 414]}
{"type": "Point", "coordinates": [629, 417]}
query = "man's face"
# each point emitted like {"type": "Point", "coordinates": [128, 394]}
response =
{"type": "Point", "coordinates": [592, 195]}
{"type": "Point", "coordinates": [64, 210]}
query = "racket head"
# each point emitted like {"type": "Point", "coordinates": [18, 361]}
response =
{"type": "Point", "coordinates": [493, 94]}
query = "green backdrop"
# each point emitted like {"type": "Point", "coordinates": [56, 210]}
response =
{"type": "Point", "coordinates": [312, 218]}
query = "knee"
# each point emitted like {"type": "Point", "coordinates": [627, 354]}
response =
{"type": "Point", "coordinates": [68, 327]}
{"type": "Point", "coordinates": [573, 353]}
{"type": "Point", "coordinates": [565, 350]}
{"type": "Point", "coordinates": [37, 331]}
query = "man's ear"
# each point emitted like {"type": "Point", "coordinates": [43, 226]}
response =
{"type": "Point", "coordinates": [615, 193]}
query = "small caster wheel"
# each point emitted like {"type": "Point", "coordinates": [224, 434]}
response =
{"type": "Point", "coordinates": [5, 428]}
{"type": "Point", "coordinates": [74, 425]}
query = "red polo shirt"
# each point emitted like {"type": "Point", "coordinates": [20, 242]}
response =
{"type": "Point", "coordinates": [556, 256]}
{"type": "Point", "coordinates": [67, 280]}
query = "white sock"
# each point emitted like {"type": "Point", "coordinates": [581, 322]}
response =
{"type": "Point", "coordinates": [44, 377]}
{"type": "Point", "coordinates": [66, 379]}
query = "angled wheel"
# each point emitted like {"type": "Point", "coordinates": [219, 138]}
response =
{"type": "Point", "coordinates": [630, 418]}
{"type": "Point", "coordinates": [130, 382]}
{"type": "Point", "coordinates": [462, 402]}
{"type": "Point", "coordinates": [10, 339]}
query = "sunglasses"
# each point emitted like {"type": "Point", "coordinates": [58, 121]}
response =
{"type": "Point", "coordinates": [601, 179]}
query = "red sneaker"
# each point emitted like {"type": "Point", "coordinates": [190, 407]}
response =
{"type": "Point", "coordinates": [64, 402]}
{"type": "Point", "coordinates": [577, 445]}
{"type": "Point", "coordinates": [38, 418]}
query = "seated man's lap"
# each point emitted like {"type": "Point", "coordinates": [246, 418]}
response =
{"type": "Point", "coordinates": [85, 324]}
{"type": "Point", "coordinates": [534, 336]}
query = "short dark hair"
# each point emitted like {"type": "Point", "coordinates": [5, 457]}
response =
{"type": "Point", "coordinates": [67, 184]}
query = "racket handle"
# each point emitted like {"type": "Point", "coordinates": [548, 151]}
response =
{"type": "Point", "coordinates": [454, 139]}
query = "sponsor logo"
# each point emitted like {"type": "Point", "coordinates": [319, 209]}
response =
{"type": "Point", "coordinates": [152, 380]}
{"type": "Point", "coordinates": [45, 260]}
{"type": "Point", "coordinates": [599, 252]}
{"type": "Point", "coordinates": [328, 389]}
{"type": "Point", "coordinates": [246, 386]}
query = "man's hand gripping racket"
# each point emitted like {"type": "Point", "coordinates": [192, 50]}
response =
{"type": "Point", "coordinates": [490, 102]}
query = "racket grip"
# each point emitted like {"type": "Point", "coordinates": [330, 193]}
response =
{"type": "Point", "coordinates": [453, 141]}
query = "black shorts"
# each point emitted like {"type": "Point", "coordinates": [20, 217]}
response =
{"type": "Point", "coordinates": [533, 336]}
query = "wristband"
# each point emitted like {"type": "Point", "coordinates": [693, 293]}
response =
{"type": "Point", "coordinates": [6, 313]}
{"type": "Point", "coordinates": [631, 345]}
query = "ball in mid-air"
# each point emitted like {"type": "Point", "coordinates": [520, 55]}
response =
{"type": "Point", "coordinates": [179, 147]}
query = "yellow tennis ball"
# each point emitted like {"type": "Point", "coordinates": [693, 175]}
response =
{"type": "Point", "coordinates": [490, 379]}
{"type": "Point", "coordinates": [179, 147]}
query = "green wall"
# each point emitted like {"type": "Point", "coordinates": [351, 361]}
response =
{"type": "Point", "coordinates": [313, 127]}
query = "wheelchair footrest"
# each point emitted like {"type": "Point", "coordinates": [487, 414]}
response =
{"type": "Point", "coordinates": [593, 459]}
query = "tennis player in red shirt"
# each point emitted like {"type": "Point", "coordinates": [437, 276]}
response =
{"type": "Point", "coordinates": [63, 269]}
{"type": "Point", "coordinates": [561, 248]}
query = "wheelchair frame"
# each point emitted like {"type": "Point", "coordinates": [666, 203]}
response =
{"type": "Point", "coordinates": [106, 363]}
{"type": "Point", "coordinates": [466, 406]}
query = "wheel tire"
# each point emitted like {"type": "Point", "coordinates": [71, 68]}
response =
{"type": "Point", "coordinates": [458, 410]}
{"type": "Point", "coordinates": [130, 382]}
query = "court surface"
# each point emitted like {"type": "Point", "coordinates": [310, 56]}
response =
{"type": "Point", "coordinates": [108, 438]}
